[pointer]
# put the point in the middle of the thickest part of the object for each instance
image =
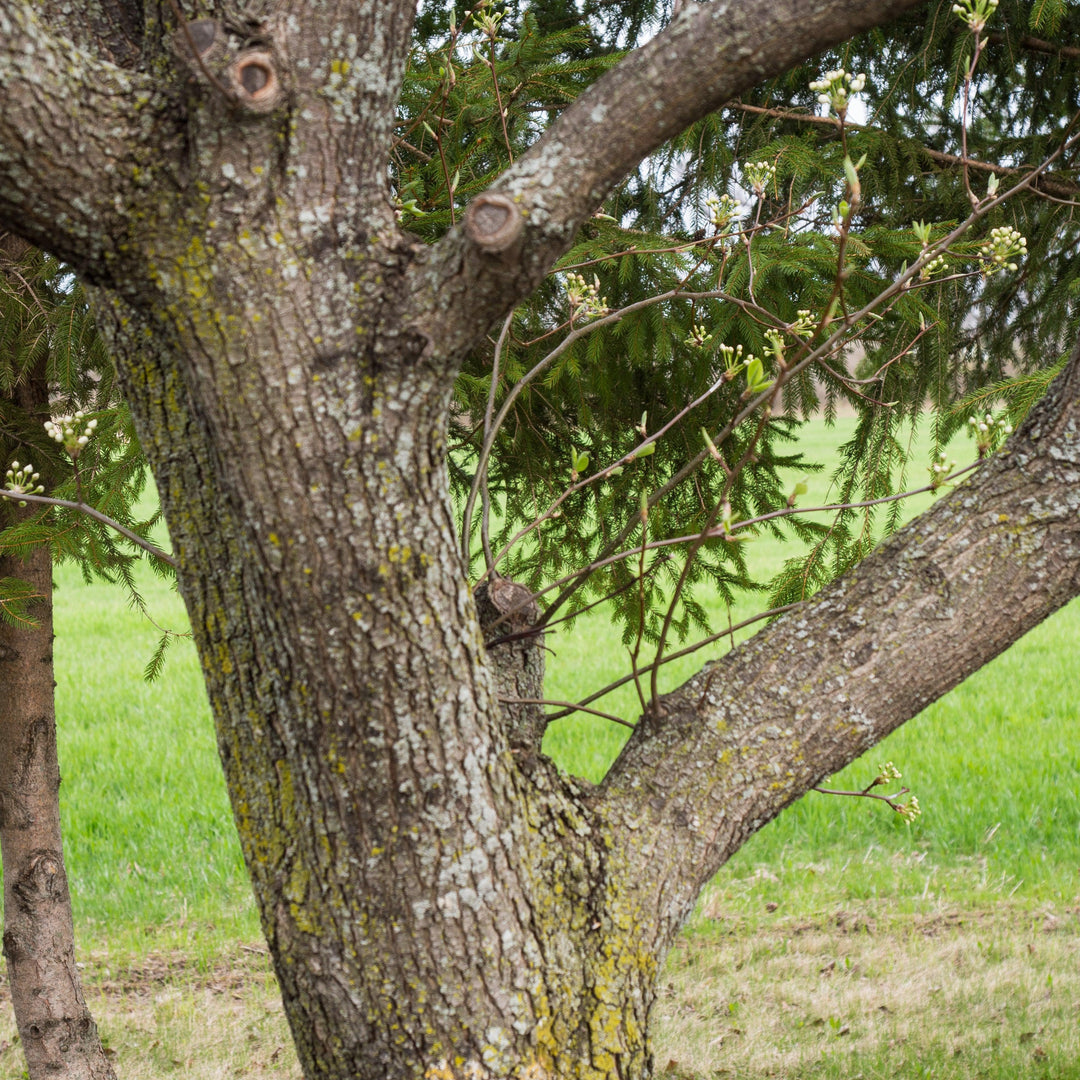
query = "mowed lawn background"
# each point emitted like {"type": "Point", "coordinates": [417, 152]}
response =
{"type": "Point", "coordinates": [839, 942]}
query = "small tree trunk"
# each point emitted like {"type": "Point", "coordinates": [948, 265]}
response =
{"type": "Point", "coordinates": [59, 1035]}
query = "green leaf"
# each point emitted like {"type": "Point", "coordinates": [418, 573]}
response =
{"type": "Point", "coordinates": [754, 372]}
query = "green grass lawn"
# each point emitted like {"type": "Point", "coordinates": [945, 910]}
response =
{"type": "Point", "coordinates": [156, 871]}
{"type": "Point", "coordinates": [995, 763]}
{"type": "Point", "coordinates": [153, 856]}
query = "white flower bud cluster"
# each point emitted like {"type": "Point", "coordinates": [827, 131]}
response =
{"type": "Point", "coordinates": [910, 810]}
{"type": "Point", "coordinates": [989, 431]}
{"type": "Point", "coordinates": [759, 175]}
{"type": "Point", "coordinates": [71, 432]}
{"type": "Point", "coordinates": [722, 211]}
{"type": "Point", "coordinates": [887, 773]}
{"type": "Point", "coordinates": [804, 323]}
{"type": "Point", "coordinates": [22, 480]}
{"type": "Point", "coordinates": [932, 267]}
{"type": "Point", "coordinates": [487, 20]}
{"type": "Point", "coordinates": [988, 422]}
{"type": "Point", "coordinates": [733, 358]}
{"type": "Point", "coordinates": [975, 12]}
{"type": "Point", "coordinates": [835, 89]}
{"type": "Point", "coordinates": [1002, 245]}
{"type": "Point", "coordinates": [940, 469]}
{"type": "Point", "coordinates": [698, 336]}
{"type": "Point", "coordinates": [584, 297]}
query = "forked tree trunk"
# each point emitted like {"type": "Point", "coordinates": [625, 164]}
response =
{"type": "Point", "coordinates": [58, 1034]}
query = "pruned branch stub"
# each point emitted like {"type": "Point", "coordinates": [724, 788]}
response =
{"type": "Point", "coordinates": [493, 222]}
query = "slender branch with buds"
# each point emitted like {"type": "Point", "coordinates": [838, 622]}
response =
{"type": "Point", "coordinates": [97, 515]}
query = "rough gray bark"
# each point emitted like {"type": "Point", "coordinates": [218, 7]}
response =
{"type": "Point", "coordinates": [824, 683]}
{"type": "Point", "coordinates": [59, 1036]}
{"type": "Point", "coordinates": [438, 901]}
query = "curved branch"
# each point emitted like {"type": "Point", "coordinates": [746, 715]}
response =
{"type": "Point", "coordinates": [71, 140]}
{"type": "Point", "coordinates": [707, 55]}
{"type": "Point", "coordinates": [67, 504]}
{"type": "Point", "coordinates": [752, 732]}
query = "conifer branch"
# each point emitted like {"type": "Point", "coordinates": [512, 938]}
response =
{"type": "Point", "coordinates": [1051, 185]}
{"type": "Point", "coordinates": [97, 515]}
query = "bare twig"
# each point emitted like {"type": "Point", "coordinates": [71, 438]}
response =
{"type": "Point", "coordinates": [569, 706]}
{"type": "Point", "coordinates": [217, 84]}
{"type": "Point", "coordinates": [481, 473]}
{"type": "Point", "coordinates": [604, 690]}
{"type": "Point", "coordinates": [837, 338]}
{"type": "Point", "coordinates": [1047, 185]}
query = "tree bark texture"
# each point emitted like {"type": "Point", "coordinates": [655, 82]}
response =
{"type": "Point", "coordinates": [438, 900]}
{"type": "Point", "coordinates": [59, 1036]}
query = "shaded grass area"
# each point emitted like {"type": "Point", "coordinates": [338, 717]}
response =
{"type": "Point", "coordinates": [157, 876]}
{"type": "Point", "coordinates": [952, 994]}
{"type": "Point", "coordinates": [855, 992]}
{"type": "Point", "coordinates": [161, 1016]}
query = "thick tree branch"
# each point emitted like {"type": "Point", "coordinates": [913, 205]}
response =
{"type": "Point", "coordinates": [73, 141]}
{"type": "Point", "coordinates": [803, 698]}
{"type": "Point", "coordinates": [707, 55]}
{"type": "Point", "coordinates": [1034, 44]}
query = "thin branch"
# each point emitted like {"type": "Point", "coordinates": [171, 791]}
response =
{"type": "Point", "coordinates": [696, 546]}
{"type": "Point", "coordinates": [1047, 185]}
{"type": "Point", "coordinates": [726, 534]}
{"type": "Point", "coordinates": [1035, 44]}
{"type": "Point", "coordinates": [97, 515]}
{"type": "Point", "coordinates": [533, 631]}
{"type": "Point", "coordinates": [604, 690]}
{"type": "Point", "coordinates": [837, 338]}
{"type": "Point", "coordinates": [537, 369]}
{"type": "Point", "coordinates": [568, 706]}
{"type": "Point", "coordinates": [889, 799]}
{"type": "Point", "coordinates": [481, 473]}
{"type": "Point", "coordinates": [217, 84]}
{"type": "Point", "coordinates": [498, 98]}
{"type": "Point", "coordinates": [705, 57]}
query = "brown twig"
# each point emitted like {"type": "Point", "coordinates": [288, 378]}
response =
{"type": "Point", "coordinates": [225, 92]}
{"type": "Point", "coordinates": [569, 705]}
{"type": "Point", "coordinates": [604, 690]}
{"type": "Point", "coordinates": [1047, 185]}
{"type": "Point", "coordinates": [97, 515]}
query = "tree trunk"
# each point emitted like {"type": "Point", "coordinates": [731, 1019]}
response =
{"type": "Point", "coordinates": [59, 1036]}
{"type": "Point", "coordinates": [437, 900]}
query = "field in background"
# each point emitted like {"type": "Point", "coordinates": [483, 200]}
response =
{"type": "Point", "coordinates": [839, 941]}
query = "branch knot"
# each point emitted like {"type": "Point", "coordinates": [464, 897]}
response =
{"type": "Point", "coordinates": [493, 222]}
